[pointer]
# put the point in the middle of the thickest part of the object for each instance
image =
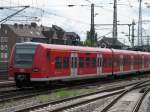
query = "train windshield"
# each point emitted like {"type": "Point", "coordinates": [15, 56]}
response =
{"type": "Point", "coordinates": [24, 55]}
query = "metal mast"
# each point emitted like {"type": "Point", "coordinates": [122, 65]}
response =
{"type": "Point", "coordinates": [92, 30]}
{"type": "Point", "coordinates": [133, 23]}
{"type": "Point", "coordinates": [140, 42]}
{"type": "Point", "coordinates": [115, 23]}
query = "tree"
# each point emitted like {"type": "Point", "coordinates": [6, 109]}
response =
{"type": "Point", "coordinates": [90, 41]}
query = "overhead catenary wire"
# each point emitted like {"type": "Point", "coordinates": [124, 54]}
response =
{"type": "Point", "coordinates": [43, 12]}
{"type": "Point", "coordinates": [51, 13]}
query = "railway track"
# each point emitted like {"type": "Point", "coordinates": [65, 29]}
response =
{"type": "Point", "coordinates": [16, 94]}
{"type": "Point", "coordinates": [12, 93]}
{"type": "Point", "coordinates": [127, 91]}
{"type": "Point", "coordinates": [72, 102]}
{"type": "Point", "coordinates": [19, 94]}
{"type": "Point", "coordinates": [139, 102]}
{"type": "Point", "coordinates": [3, 74]}
{"type": "Point", "coordinates": [6, 84]}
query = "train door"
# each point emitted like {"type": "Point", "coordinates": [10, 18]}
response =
{"type": "Point", "coordinates": [121, 63]}
{"type": "Point", "coordinates": [99, 64]}
{"type": "Point", "coordinates": [73, 64]}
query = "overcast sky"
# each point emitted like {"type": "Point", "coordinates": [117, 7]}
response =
{"type": "Point", "coordinates": [77, 18]}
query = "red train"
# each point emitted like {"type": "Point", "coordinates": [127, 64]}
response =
{"type": "Point", "coordinates": [38, 62]}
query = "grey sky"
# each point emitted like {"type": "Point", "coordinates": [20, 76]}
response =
{"type": "Point", "coordinates": [77, 18]}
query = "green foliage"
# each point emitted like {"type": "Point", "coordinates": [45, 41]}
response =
{"type": "Point", "coordinates": [89, 41]}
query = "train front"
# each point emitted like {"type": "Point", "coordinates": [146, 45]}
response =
{"type": "Point", "coordinates": [21, 61]}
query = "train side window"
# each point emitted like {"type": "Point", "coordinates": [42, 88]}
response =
{"type": "Point", "coordinates": [104, 62]}
{"type": "Point", "coordinates": [87, 62]}
{"type": "Point", "coordinates": [129, 61]}
{"type": "Point", "coordinates": [134, 59]}
{"type": "Point", "coordinates": [146, 61]}
{"type": "Point", "coordinates": [110, 62]}
{"type": "Point", "coordinates": [93, 62]}
{"type": "Point", "coordinates": [137, 60]}
{"type": "Point", "coordinates": [66, 62]}
{"type": "Point", "coordinates": [58, 62]}
{"type": "Point", "coordinates": [81, 62]}
{"type": "Point", "coordinates": [125, 60]}
{"type": "Point", "coordinates": [48, 55]}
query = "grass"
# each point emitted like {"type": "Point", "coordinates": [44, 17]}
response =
{"type": "Point", "coordinates": [62, 93]}
{"type": "Point", "coordinates": [57, 95]}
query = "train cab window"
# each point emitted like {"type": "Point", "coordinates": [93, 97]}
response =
{"type": "Point", "coordinates": [81, 62]}
{"type": "Point", "coordinates": [93, 62]}
{"type": "Point", "coordinates": [58, 62]}
{"type": "Point", "coordinates": [65, 62]}
{"type": "Point", "coordinates": [87, 62]}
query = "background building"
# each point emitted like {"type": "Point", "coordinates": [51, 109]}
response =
{"type": "Point", "coordinates": [17, 33]}
{"type": "Point", "coordinates": [106, 42]}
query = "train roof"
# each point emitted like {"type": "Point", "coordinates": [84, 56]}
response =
{"type": "Point", "coordinates": [117, 51]}
{"type": "Point", "coordinates": [66, 47]}
{"type": "Point", "coordinates": [28, 43]}
{"type": "Point", "coordinates": [80, 48]}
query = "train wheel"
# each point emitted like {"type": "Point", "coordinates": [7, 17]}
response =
{"type": "Point", "coordinates": [19, 84]}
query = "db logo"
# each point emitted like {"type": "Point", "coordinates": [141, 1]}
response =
{"type": "Point", "coordinates": [22, 70]}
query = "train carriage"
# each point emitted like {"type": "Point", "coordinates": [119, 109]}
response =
{"type": "Point", "coordinates": [128, 62]}
{"type": "Point", "coordinates": [145, 65]}
{"type": "Point", "coordinates": [107, 62]}
{"type": "Point", "coordinates": [37, 62]}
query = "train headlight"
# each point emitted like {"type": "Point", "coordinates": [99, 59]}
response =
{"type": "Point", "coordinates": [35, 69]}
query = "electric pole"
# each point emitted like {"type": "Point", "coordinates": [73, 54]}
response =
{"type": "Point", "coordinates": [140, 42]}
{"type": "Point", "coordinates": [133, 23]}
{"type": "Point", "coordinates": [115, 23]}
{"type": "Point", "coordinates": [92, 29]}
{"type": "Point", "coordinates": [148, 41]}
{"type": "Point", "coordinates": [129, 32]}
